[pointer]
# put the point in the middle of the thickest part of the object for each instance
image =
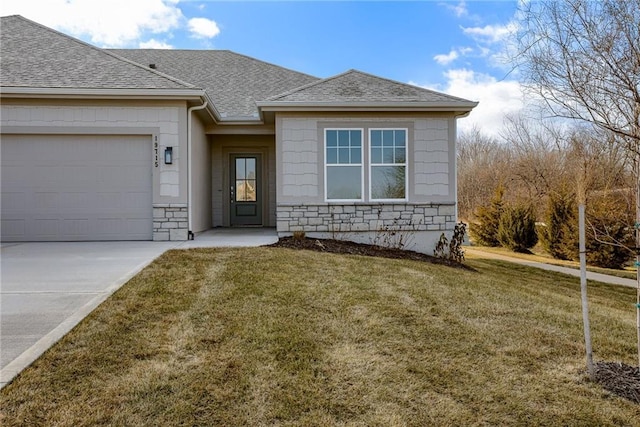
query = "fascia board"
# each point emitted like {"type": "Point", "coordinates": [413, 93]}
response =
{"type": "Point", "coordinates": [157, 94]}
{"type": "Point", "coordinates": [31, 92]}
{"type": "Point", "coordinates": [366, 106]}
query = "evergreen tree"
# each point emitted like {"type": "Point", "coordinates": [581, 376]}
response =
{"type": "Point", "coordinates": [517, 228]}
{"type": "Point", "coordinates": [560, 236]}
{"type": "Point", "coordinates": [485, 231]}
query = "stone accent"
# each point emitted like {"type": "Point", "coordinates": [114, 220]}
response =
{"type": "Point", "coordinates": [363, 217]}
{"type": "Point", "coordinates": [170, 221]}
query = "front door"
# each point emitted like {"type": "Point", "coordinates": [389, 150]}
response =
{"type": "Point", "coordinates": [245, 189]}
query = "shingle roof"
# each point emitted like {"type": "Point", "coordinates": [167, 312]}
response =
{"type": "Point", "coordinates": [234, 82]}
{"type": "Point", "coordinates": [35, 56]}
{"type": "Point", "coordinates": [356, 86]}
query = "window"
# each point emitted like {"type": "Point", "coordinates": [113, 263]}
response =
{"type": "Point", "coordinates": [388, 164]}
{"type": "Point", "coordinates": [343, 163]}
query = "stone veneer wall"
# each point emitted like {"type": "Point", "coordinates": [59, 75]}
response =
{"type": "Point", "coordinates": [363, 217]}
{"type": "Point", "coordinates": [170, 221]}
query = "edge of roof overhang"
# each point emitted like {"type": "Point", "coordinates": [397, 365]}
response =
{"type": "Point", "coordinates": [193, 95]}
{"type": "Point", "coordinates": [75, 93]}
{"type": "Point", "coordinates": [460, 107]}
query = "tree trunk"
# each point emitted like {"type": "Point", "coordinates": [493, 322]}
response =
{"type": "Point", "coordinates": [636, 170]}
{"type": "Point", "coordinates": [583, 292]}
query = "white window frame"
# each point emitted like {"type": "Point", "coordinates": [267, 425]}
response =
{"type": "Point", "coordinates": [361, 164]}
{"type": "Point", "coordinates": [405, 164]}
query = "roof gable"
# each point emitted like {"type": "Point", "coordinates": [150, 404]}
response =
{"type": "Point", "coordinates": [355, 86]}
{"type": "Point", "coordinates": [35, 56]}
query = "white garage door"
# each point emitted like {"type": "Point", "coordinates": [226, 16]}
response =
{"type": "Point", "coordinates": [71, 188]}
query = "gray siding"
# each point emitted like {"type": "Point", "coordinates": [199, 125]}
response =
{"type": "Point", "coordinates": [164, 121]}
{"type": "Point", "coordinates": [301, 158]}
{"type": "Point", "coordinates": [201, 178]}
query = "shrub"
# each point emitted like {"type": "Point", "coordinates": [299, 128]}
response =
{"type": "Point", "coordinates": [452, 250]}
{"type": "Point", "coordinates": [560, 236]}
{"type": "Point", "coordinates": [517, 228]}
{"type": "Point", "coordinates": [485, 230]}
{"type": "Point", "coordinates": [610, 215]}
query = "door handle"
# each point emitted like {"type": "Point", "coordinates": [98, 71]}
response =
{"type": "Point", "coordinates": [232, 194]}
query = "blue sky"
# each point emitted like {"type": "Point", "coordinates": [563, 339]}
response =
{"type": "Point", "coordinates": [451, 46]}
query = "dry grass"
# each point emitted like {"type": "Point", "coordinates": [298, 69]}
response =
{"type": "Point", "coordinates": [270, 336]}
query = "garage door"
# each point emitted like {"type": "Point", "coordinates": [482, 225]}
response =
{"type": "Point", "coordinates": [72, 188]}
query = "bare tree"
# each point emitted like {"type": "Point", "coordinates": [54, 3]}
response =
{"type": "Point", "coordinates": [539, 155]}
{"type": "Point", "coordinates": [583, 59]}
{"type": "Point", "coordinates": [483, 163]}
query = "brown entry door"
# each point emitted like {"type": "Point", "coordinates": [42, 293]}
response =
{"type": "Point", "coordinates": [246, 189]}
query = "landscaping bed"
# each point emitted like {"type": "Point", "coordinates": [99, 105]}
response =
{"type": "Point", "coordinates": [352, 248]}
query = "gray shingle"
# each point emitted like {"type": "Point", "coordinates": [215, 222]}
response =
{"type": "Point", "coordinates": [35, 56]}
{"type": "Point", "coordinates": [356, 86]}
{"type": "Point", "coordinates": [234, 82]}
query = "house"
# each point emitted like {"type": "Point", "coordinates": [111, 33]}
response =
{"type": "Point", "coordinates": [141, 144]}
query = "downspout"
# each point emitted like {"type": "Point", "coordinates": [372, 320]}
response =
{"type": "Point", "coordinates": [190, 235]}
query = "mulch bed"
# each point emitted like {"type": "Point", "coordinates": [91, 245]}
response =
{"type": "Point", "coordinates": [352, 248]}
{"type": "Point", "coordinates": [620, 379]}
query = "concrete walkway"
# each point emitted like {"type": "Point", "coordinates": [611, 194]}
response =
{"type": "Point", "coordinates": [48, 288]}
{"type": "Point", "coordinates": [591, 276]}
{"type": "Point", "coordinates": [232, 237]}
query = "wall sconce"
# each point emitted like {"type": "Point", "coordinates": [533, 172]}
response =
{"type": "Point", "coordinates": [168, 155]}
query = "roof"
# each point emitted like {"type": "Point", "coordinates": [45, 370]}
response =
{"type": "Point", "coordinates": [35, 56]}
{"type": "Point", "coordinates": [234, 82]}
{"type": "Point", "coordinates": [358, 88]}
{"type": "Point", "coordinates": [37, 60]}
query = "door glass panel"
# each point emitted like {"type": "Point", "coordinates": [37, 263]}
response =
{"type": "Point", "coordinates": [246, 180]}
{"type": "Point", "coordinates": [251, 168]}
{"type": "Point", "coordinates": [240, 169]}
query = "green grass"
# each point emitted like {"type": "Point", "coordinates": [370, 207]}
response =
{"type": "Point", "coordinates": [539, 256]}
{"type": "Point", "coordinates": [267, 336]}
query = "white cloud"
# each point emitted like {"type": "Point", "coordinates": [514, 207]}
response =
{"type": "Point", "coordinates": [459, 9]}
{"type": "Point", "coordinates": [443, 59]}
{"type": "Point", "coordinates": [496, 98]}
{"type": "Point", "coordinates": [154, 44]}
{"type": "Point", "coordinates": [113, 23]}
{"type": "Point", "coordinates": [491, 33]}
{"type": "Point", "coordinates": [446, 59]}
{"type": "Point", "coordinates": [203, 28]}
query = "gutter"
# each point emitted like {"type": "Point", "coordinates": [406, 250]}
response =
{"type": "Point", "coordinates": [190, 235]}
{"type": "Point", "coordinates": [444, 106]}
{"type": "Point", "coordinates": [98, 93]}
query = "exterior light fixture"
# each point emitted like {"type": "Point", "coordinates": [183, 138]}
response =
{"type": "Point", "coordinates": [168, 155]}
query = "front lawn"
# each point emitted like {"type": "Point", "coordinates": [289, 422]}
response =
{"type": "Point", "coordinates": [273, 336]}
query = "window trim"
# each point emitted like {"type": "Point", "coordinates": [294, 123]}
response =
{"type": "Point", "coordinates": [361, 164]}
{"type": "Point", "coordinates": [405, 164]}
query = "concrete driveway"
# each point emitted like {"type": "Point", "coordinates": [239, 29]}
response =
{"type": "Point", "coordinates": [48, 288]}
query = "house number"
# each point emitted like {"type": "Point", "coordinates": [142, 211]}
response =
{"type": "Point", "coordinates": [155, 152]}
